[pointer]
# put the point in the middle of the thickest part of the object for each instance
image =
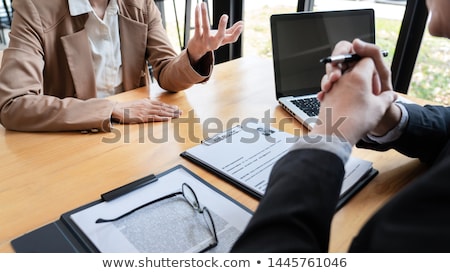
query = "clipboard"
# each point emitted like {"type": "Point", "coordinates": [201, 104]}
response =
{"type": "Point", "coordinates": [245, 154]}
{"type": "Point", "coordinates": [68, 235]}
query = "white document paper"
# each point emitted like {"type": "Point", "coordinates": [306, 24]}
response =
{"type": "Point", "coordinates": [168, 226]}
{"type": "Point", "coordinates": [246, 154]}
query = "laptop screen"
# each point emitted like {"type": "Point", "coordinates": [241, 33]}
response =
{"type": "Point", "coordinates": [300, 40]}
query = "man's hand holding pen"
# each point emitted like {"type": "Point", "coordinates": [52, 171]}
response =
{"type": "Point", "coordinates": [360, 92]}
{"type": "Point", "coordinates": [361, 49]}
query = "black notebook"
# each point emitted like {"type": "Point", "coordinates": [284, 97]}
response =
{"type": "Point", "coordinates": [166, 225]}
{"type": "Point", "coordinates": [244, 156]}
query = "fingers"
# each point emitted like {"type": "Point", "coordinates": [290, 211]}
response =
{"type": "Point", "coordinates": [388, 97]}
{"type": "Point", "coordinates": [202, 25]}
{"type": "Point", "coordinates": [225, 35]}
{"type": "Point", "coordinates": [373, 51]}
{"type": "Point", "coordinates": [198, 19]}
{"type": "Point", "coordinates": [144, 110]}
{"type": "Point", "coordinates": [342, 47]}
{"type": "Point", "coordinates": [329, 79]}
{"type": "Point", "coordinates": [335, 70]}
{"type": "Point", "coordinates": [205, 39]}
{"type": "Point", "coordinates": [376, 83]}
{"type": "Point", "coordinates": [368, 50]}
{"type": "Point", "coordinates": [381, 81]}
{"type": "Point", "coordinates": [205, 19]}
{"type": "Point", "coordinates": [321, 95]}
{"type": "Point", "coordinates": [236, 27]}
{"type": "Point", "coordinates": [233, 33]}
{"type": "Point", "coordinates": [163, 110]}
{"type": "Point", "coordinates": [364, 69]}
{"type": "Point", "coordinates": [216, 38]}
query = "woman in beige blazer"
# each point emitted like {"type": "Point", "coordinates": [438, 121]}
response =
{"type": "Point", "coordinates": [47, 79]}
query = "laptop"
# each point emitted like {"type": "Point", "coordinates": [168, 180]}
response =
{"type": "Point", "coordinates": [299, 41]}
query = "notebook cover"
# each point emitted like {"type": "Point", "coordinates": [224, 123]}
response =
{"type": "Point", "coordinates": [51, 238]}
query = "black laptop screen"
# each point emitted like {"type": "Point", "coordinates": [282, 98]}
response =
{"type": "Point", "coordinates": [300, 40]}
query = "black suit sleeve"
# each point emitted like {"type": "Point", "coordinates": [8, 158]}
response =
{"type": "Point", "coordinates": [425, 135]}
{"type": "Point", "coordinates": [415, 219]}
{"type": "Point", "coordinates": [295, 213]}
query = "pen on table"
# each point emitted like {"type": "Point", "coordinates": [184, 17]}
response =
{"type": "Point", "coordinates": [346, 58]}
{"type": "Point", "coordinates": [127, 188]}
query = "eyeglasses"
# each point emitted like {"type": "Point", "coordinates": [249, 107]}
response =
{"type": "Point", "coordinates": [189, 195]}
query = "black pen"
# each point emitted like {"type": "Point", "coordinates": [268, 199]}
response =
{"type": "Point", "coordinates": [346, 58]}
{"type": "Point", "coordinates": [127, 188]}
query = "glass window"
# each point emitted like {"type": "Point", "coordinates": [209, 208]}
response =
{"type": "Point", "coordinates": [388, 19]}
{"type": "Point", "coordinates": [257, 39]}
{"type": "Point", "coordinates": [430, 76]}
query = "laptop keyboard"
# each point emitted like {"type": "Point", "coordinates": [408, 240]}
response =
{"type": "Point", "coordinates": [308, 105]}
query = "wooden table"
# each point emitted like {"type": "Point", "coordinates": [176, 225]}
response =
{"type": "Point", "coordinates": [43, 175]}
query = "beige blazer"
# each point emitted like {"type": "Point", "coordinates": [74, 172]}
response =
{"type": "Point", "coordinates": [47, 78]}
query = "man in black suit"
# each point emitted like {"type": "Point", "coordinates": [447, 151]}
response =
{"type": "Point", "coordinates": [296, 212]}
